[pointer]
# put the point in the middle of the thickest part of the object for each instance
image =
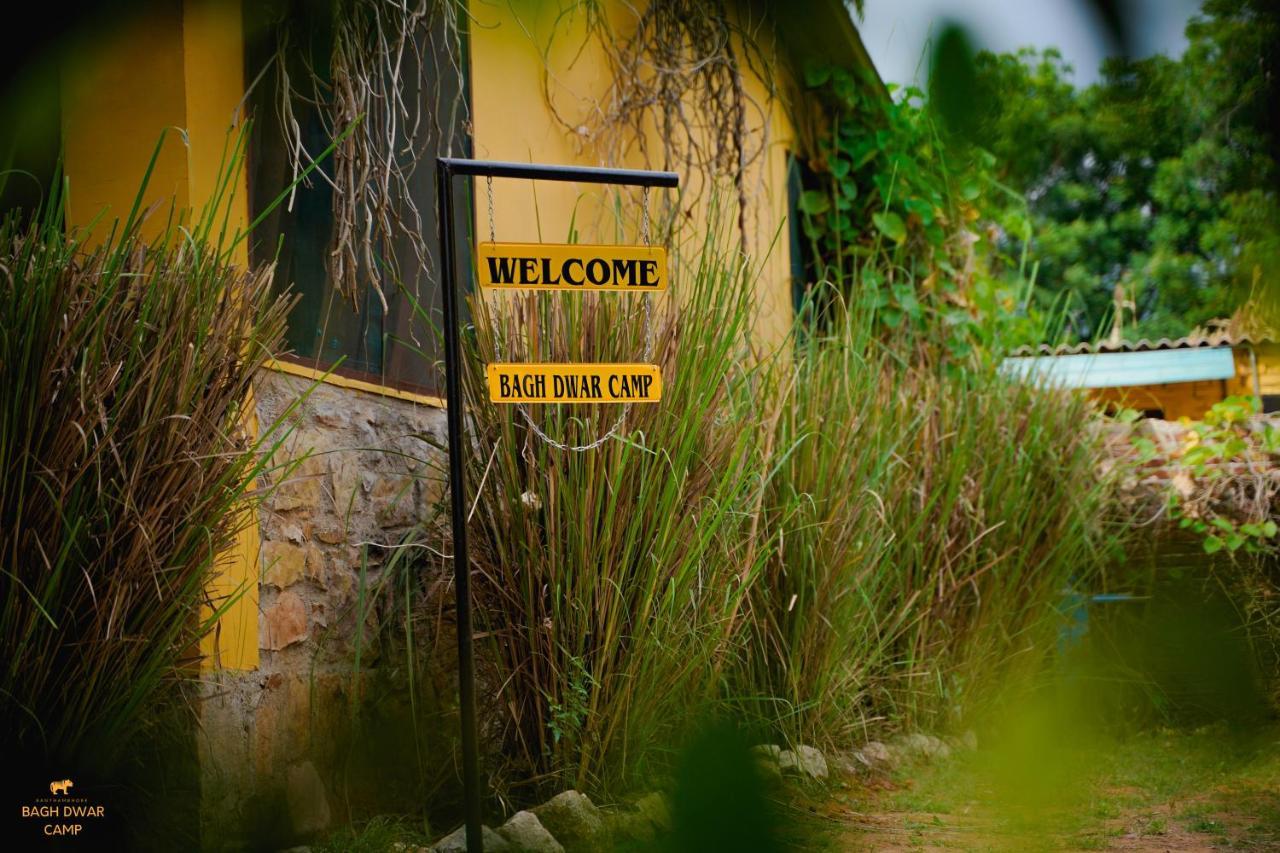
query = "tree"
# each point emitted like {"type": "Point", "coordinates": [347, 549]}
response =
{"type": "Point", "coordinates": [1153, 189]}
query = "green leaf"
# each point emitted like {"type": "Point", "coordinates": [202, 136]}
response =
{"type": "Point", "coordinates": [817, 75]}
{"type": "Point", "coordinates": [1213, 544]}
{"type": "Point", "coordinates": [920, 208]}
{"type": "Point", "coordinates": [814, 202]}
{"type": "Point", "coordinates": [891, 225]}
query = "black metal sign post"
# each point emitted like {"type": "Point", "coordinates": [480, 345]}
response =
{"type": "Point", "coordinates": [446, 169]}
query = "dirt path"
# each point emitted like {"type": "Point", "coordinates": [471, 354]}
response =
{"type": "Point", "coordinates": [1210, 789]}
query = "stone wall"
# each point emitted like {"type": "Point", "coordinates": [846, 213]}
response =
{"type": "Point", "coordinates": [281, 747]}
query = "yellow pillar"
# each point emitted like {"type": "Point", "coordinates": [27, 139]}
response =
{"type": "Point", "coordinates": [177, 70]}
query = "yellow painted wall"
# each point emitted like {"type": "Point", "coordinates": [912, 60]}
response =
{"type": "Point", "coordinates": [1175, 399]}
{"type": "Point", "coordinates": [516, 47]}
{"type": "Point", "coordinates": [1193, 399]}
{"type": "Point", "coordinates": [1268, 362]}
{"type": "Point", "coordinates": [120, 91]}
{"type": "Point", "coordinates": [177, 68]}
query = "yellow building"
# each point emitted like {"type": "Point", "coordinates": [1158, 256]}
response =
{"type": "Point", "coordinates": [551, 82]}
{"type": "Point", "coordinates": [1169, 379]}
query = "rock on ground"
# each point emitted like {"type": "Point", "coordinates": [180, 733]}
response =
{"type": "Point", "coordinates": [654, 807]}
{"type": "Point", "coordinates": [876, 753]}
{"type": "Point", "coordinates": [848, 763]}
{"type": "Point", "coordinates": [647, 817]}
{"type": "Point", "coordinates": [766, 756]}
{"type": "Point", "coordinates": [526, 834]}
{"type": "Point", "coordinates": [456, 842]}
{"type": "Point", "coordinates": [925, 746]}
{"type": "Point", "coordinates": [574, 821]}
{"type": "Point", "coordinates": [803, 761]}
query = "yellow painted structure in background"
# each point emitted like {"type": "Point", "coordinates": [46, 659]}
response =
{"type": "Point", "coordinates": [177, 70]}
{"type": "Point", "coordinates": [1192, 399]}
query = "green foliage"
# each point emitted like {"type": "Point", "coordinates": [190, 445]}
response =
{"type": "Point", "coordinates": [1213, 451]}
{"type": "Point", "coordinates": [1154, 188]}
{"type": "Point", "coordinates": [907, 219]}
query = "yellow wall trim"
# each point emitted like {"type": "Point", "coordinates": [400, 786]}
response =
{"type": "Point", "coordinates": [355, 384]}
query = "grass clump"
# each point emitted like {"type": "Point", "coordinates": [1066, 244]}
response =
{"type": "Point", "coordinates": [839, 538]}
{"type": "Point", "coordinates": [126, 364]}
{"type": "Point", "coordinates": [923, 523]}
{"type": "Point", "coordinates": [608, 580]}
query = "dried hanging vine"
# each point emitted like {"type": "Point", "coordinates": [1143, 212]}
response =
{"type": "Point", "coordinates": [388, 60]}
{"type": "Point", "coordinates": [679, 76]}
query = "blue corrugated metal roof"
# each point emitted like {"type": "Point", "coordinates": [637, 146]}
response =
{"type": "Point", "coordinates": [1116, 369]}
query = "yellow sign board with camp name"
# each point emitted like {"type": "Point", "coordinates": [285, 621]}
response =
{"type": "Point", "coordinates": [572, 267]}
{"type": "Point", "coordinates": [574, 383]}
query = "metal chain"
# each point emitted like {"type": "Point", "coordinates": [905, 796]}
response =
{"type": "Point", "coordinates": [644, 215]}
{"type": "Point", "coordinates": [648, 342]}
{"type": "Point", "coordinates": [488, 180]}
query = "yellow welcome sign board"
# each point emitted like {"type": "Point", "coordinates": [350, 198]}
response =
{"type": "Point", "coordinates": [571, 267]}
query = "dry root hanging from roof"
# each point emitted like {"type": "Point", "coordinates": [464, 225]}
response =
{"type": "Point", "coordinates": [387, 60]}
{"type": "Point", "coordinates": [678, 76]}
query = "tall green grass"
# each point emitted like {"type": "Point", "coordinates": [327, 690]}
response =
{"type": "Point", "coordinates": [925, 524]}
{"type": "Point", "coordinates": [126, 363]}
{"type": "Point", "coordinates": [838, 540]}
{"type": "Point", "coordinates": [607, 579]}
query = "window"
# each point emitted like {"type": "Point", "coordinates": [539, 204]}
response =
{"type": "Point", "coordinates": [804, 263]}
{"type": "Point", "coordinates": [327, 330]}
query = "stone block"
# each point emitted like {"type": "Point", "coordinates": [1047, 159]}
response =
{"type": "Point", "coordinates": [803, 761]}
{"type": "Point", "coordinates": [303, 489]}
{"type": "Point", "coordinates": [284, 622]}
{"type": "Point", "coordinates": [283, 564]}
{"type": "Point", "coordinates": [308, 804]}
{"type": "Point", "coordinates": [331, 534]}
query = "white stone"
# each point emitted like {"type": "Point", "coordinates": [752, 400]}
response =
{"type": "Point", "coordinates": [456, 842]}
{"type": "Point", "coordinates": [574, 821]}
{"type": "Point", "coordinates": [803, 761]}
{"type": "Point", "coordinates": [526, 834]}
{"type": "Point", "coordinates": [876, 752]}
